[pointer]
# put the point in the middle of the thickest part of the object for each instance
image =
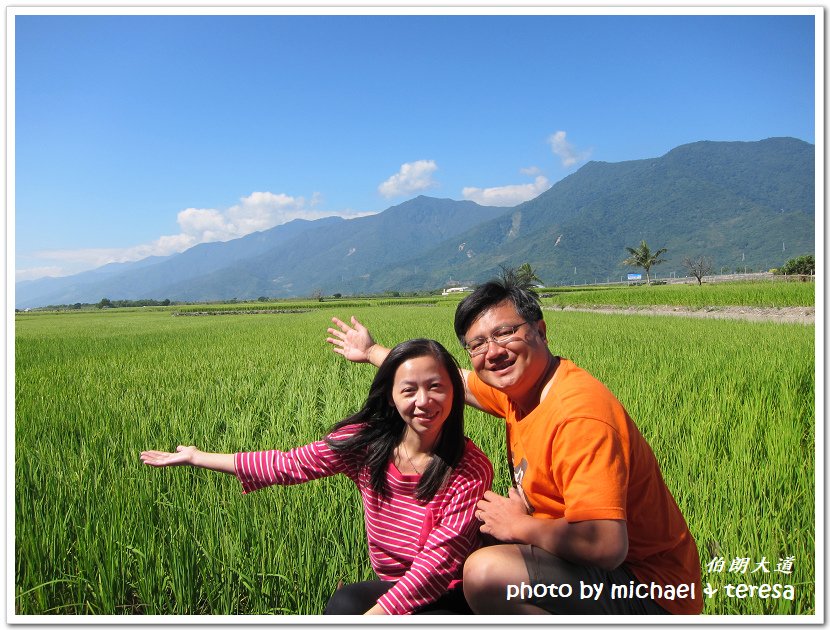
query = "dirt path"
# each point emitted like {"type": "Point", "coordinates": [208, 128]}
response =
{"type": "Point", "coordinates": [805, 315]}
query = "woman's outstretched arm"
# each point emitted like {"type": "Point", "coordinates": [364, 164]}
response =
{"type": "Point", "coordinates": [191, 456]}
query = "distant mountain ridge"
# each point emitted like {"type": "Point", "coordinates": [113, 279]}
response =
{"type": "Point", "coordinates": [742, 204]}
{"type": "Point", "coordinates": [290, 259]}
{"type": "Point", "coordinates": [746, 204]}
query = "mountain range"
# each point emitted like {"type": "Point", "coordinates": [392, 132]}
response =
{"type": "Point", "coordinates": [742, 204]}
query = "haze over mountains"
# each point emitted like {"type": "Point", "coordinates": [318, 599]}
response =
{"type": "Point", "coordinates": [742, 204]}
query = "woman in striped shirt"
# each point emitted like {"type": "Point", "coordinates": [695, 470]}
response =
{"type": "Point", "coordinates": [418, 476]}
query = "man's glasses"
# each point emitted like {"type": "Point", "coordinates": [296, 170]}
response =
{"type": "Point", "coordinates": [501, 336]}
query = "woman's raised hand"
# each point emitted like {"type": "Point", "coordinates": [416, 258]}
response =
{"type": "Point", "coordinates": [182, 457]}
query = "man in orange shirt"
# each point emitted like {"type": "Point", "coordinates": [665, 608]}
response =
{"type": "Point", "coordinates": [589, 526]}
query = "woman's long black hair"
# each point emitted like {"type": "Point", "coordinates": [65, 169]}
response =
{"type": "Point", "coordinates": [383, 428]}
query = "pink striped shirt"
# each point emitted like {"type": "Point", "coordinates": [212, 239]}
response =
{"type": "Point", "coordinates": [422, 546]}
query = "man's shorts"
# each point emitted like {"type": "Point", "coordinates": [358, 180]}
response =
{"type": "Point", "coordinates": [549, 574]}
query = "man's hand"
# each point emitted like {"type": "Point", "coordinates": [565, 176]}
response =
{"type": "Point", "coordinates": [182, 457]}
{"type": "Point", "coordinates": [602, 543]}
{"type": "Point", "coordinates": [353, 342]}
{"type": "Point", "coordinates": [498, 514]}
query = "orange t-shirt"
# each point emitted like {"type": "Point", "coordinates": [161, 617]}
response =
{"type": "Point", "coordinates": [579, 456]}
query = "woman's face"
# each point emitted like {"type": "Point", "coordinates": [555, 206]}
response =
{"type": "Point", "coordinates": [422, 393]}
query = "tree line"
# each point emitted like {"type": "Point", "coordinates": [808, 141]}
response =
{"type": "Point", "coordinates": [701, 266]}
{"type": "Point", "coordinates": [104, 303]}
{"type": "Point", "coordinates": [698, 267]}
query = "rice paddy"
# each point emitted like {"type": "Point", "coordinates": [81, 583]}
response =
{"type": "Point", "coordinates": [728, 407]}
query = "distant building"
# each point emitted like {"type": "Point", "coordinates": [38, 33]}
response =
{"type": "Point", "coordinates": [452, 290]}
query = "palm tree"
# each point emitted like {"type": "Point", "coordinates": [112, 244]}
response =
{"type": "Point", "coordinates": [524, 276]}
{"type": "Point", "coordinates": [643, 257]}
{"type": "Point", "coordinates": [527, 274]}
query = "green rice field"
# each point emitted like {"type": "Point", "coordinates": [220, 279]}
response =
{"type": "Point", "coordinates": [748, 293]}
{"type": "Point", "coordinates": [727, 406]}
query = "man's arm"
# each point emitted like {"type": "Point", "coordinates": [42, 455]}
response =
{"type": "Point", "coordinates": [469, 397]}
{"type": "Point", "coordinates": [602, 543]}
{"type": "Point", "coordinates": [355, 343]}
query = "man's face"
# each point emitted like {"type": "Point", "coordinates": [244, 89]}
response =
{"type": "Point", "coordinates": [515, 367]}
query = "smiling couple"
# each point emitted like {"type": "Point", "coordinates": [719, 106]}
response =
{"type": "Point", "coordinates": [588, 503]}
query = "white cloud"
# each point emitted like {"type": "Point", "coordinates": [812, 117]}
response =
{"type": "Point", "coordinates": [71, 261]}
{"type": "Point", "coordinates": [569, 155]}
{"type": "Point", "coordinates": [33, 273]}
{"type": "Point", "coordinates": [258, 211]}
{"type": "Point", "coordinates": [507, 195]}
{"type": "Point", "coordinates": [530, 171]}
{"type": "Point", "coordinates": [412, 177]}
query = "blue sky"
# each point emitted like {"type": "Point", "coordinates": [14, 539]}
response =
{"type": "Point", "coordinates": [145, 135]}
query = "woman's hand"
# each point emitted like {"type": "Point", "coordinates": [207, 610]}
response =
{"type": "Point", "coordinates": [182, 457]}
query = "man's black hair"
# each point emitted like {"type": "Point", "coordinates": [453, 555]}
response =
{"type": "Point", "coordinates": [506, 287]}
